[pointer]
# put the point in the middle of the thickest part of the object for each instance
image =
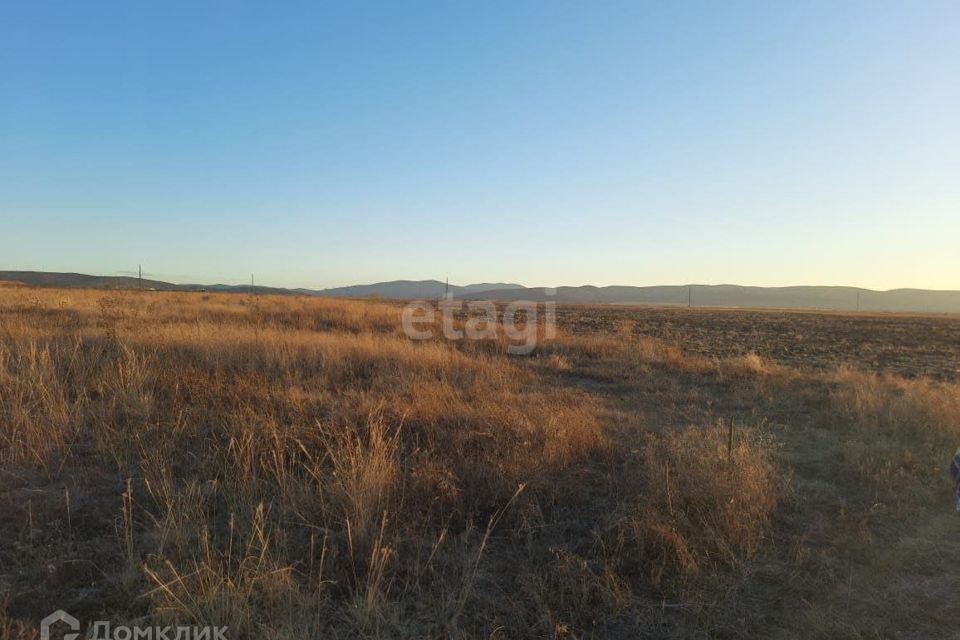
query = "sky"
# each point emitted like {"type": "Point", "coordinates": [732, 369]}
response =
{"type": "Point", "coordinates": [319, 144]}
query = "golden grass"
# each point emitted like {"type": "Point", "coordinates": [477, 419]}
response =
{"type": "Point", "coordinates": [903, 431]}
{"type": "Point", "coordinates": [707, 498]}
{"type": "Point", "coordinates": [297, 467]}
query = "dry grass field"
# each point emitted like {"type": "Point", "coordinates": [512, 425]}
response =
{"type": "Point", "coordinates": [298, 468]}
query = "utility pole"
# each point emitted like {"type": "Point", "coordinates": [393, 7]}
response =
{"type": "Point", "coordinates": [446, 289]}
{"type": "Point", "coordinates": [689, 296]}
{"type": "Point", "coordinates": [140, 277]}
{"type": "Point", "coordinates": [858, 299]}
{"type": "Point", "coordinates": [251, 281]}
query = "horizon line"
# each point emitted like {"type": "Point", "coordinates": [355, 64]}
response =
{"type": "Point", "coordinates": [147, 276]}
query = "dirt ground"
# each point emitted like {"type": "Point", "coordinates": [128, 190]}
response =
{"type": "Point", "coordinates": [904, 344]}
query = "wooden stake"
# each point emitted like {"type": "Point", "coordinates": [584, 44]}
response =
{"type": "Point", "coordinates": [730, 440]}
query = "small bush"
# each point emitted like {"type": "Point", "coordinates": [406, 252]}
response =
{"type": "Point", "coordinates": [703, 504]}
{"type": "Point", "coordinates": [905, 429]}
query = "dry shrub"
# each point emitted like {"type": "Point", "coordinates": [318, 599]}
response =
{"type": "Point", "coordinates": [65, 393]}
{"type": "Point", "coordinates": [904, 428]}
{"type": "Point", "coordinates": [922, 408]}
{"type": "Point", "coordinates": [701, 504]}
{"type": "Point", "coordinates": [240, 583]}
{"type": "Point", "coordinates": [571, 593]}
{"type": "Point", "coordinates": [365, 473]}
{"type": "Point", "coordinates": [433, 483]}
{"type": "Point", "coordinates": [634, 354]}
{"type": "Point", "coordinates": [749, 365]}
{"type": "Point", "coordinates": [585, 347]}
{"type": "Point", "coordinates": [557, 362]}
{"type": "Point", "coordinates": [654, 351]}
{"type": "Point", "coordinates": [569, 433]}
{"type": "Point", "coordinates": [37, 409]}
{"type": "Point", "coordinates": [124, 403]}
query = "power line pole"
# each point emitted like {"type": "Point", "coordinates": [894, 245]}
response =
{"type": "Point", "coordinates": [140, 277]}
{"type": "Point", "coordinates": [446, 289]}
{"type": "Point", "coordinates": [858, 299]}
{"type": "Point", "coordinates": [689, 296]}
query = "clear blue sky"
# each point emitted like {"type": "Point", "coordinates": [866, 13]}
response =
{"type": "Point", "coordinates": [319, 144]}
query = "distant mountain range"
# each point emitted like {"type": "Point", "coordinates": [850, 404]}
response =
{"type": "Point", "coordinates": [418, 289]}
{"type": "Point", "coordinates": [805, 297]}
{"type": "Point", "coordinates": [727, 295]}
{"type": "Point", "coordinates": [83, 281]}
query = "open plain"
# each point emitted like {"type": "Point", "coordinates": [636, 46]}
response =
{"type": "Point", "coordinates": [297, 467]}
{"type": "Point", "coordinates": [908, 344]}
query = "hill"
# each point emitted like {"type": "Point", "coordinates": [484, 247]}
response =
{"type": "Point", "coordinates": [414, 289]}
{"type": "Point", "coordinates": [84, 281]}
{"type": "Point", "coordinates": [725, 295]}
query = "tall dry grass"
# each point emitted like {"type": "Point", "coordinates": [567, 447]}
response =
{"type": "Point", "coordinates": [706, 499]}
{"type": "Point", "coordinates": [297, 467]}
{"type": "Point", "coordinates": [286, 463]}
{"type": "Point", "coordinates": [903, 432]}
